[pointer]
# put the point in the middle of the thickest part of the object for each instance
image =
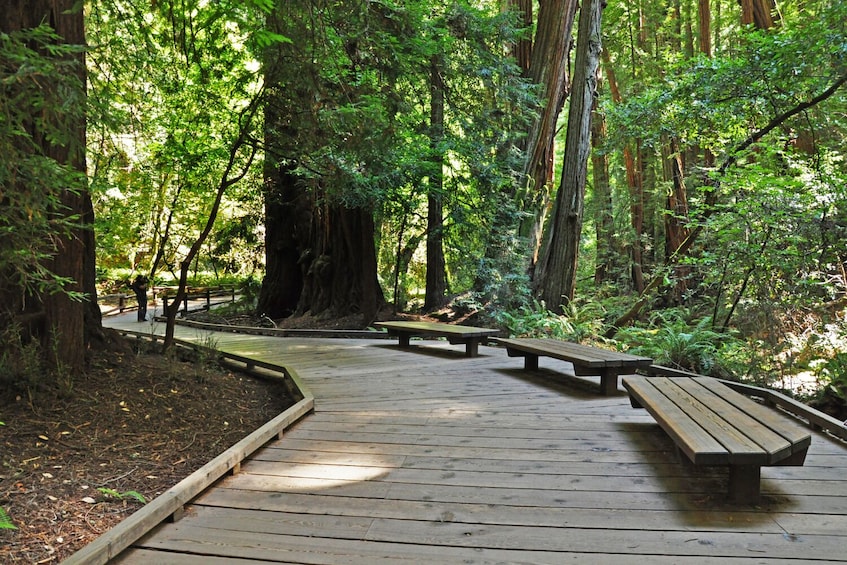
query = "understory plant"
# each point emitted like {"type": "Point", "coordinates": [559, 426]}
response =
{"type": "Point", "coordinates": [671, 340]}
{"type": "Point", "coordinates": [577, 323]}
{"type": "Point", "coordinates": [5, 520]}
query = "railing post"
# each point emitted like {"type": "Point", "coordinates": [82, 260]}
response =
{"type": "Point", "coordinates": [208, 299]}
{"type": "Point", "coordinates": [121, 303]}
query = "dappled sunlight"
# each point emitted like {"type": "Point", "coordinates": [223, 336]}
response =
{"type": "Point", "coordinates": [327, 471]}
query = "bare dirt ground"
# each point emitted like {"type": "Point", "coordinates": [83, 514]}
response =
{"type": "Point", "coordinates": [134, 425]}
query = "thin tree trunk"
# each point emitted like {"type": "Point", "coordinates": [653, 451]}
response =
{"type": "Point", "coordinates": [555, 277]}
{"type": "Point", "coordinates": [604, 262]}
{"type": "Point", "coordinates": [436, 275]}
{"type": "Point", "coordinates": [676, 215]}
{"type": "Point", "coordinates": [229, 177]}
{"type": "Point", "coordinates": [548, 68]}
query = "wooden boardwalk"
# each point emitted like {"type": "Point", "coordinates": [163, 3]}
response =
{"type": "Point", "coordinates": [427, 456]}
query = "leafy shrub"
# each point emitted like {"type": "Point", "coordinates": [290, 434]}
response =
{"type": "Point", "coordinates": [577, 323]}
{"type": "Point", "coordinates": [670, 340]}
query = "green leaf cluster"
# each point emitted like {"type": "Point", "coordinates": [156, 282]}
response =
{"type": "Point", "coordinates": [42, 105]}
{"type": "Point", "coordinates": [169, 90]}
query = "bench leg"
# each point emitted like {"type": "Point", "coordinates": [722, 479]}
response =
{"type": "Point", "coordinates": [404, 339]}
{"type": "Point", "coordinates": [608, 381]}
{"type": "Point", "coordinates": [472, 347]}
{"type": "Point", "coordinates": [744, 483]}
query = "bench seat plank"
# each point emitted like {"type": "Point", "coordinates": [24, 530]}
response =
{"type": "Point", "coordinates": [703, 409]}
{"type": "Point", "coordinates": [698, 445]}
{"type": "Point", "coordinates": [469, 335]}
{"type": "Point", "coordinates": [734, 419]}
{"type": "Point", "coordinates": [586, 360]}
{"type": "Point", "coordinates": [576, 353]}
{"type": "Point", "coordinates": [797, 436]}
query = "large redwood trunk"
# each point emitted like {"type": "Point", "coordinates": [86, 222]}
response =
{"type": "Point", "coordinates": [548, 68]}
{"type": "Point", "coordinates": [287, 213]}
{"type": "Point", "coordinates": [67, 324]}
{"type": "Point", "coordinates": [320, 257]}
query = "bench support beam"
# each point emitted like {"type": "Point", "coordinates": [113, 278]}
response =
{"type": "Point", "coordinates": [744, 483]}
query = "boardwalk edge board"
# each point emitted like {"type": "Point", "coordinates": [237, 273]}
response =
{"type": "Point", "coordinates": [112, 543]}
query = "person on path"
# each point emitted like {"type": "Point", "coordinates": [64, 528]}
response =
{"type": "Point", "coordinates": [139, 287]}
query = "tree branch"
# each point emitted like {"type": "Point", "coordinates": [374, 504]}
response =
{"type": "Point", "coordinates": [730, 160]}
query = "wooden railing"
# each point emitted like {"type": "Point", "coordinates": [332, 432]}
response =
{"type": "Point", "coordinates": [193, 294]}
{"type": "Point", "coordinates": [123, 302]}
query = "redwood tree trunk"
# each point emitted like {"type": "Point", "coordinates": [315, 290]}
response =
{"type": "Point", "coordinates": [606, 254]}
{"type": "Point", "coordinates": [68, 324]}
{"type": "Point", "coordinates": [548, 68]}
{"type": "Point", "coordinates": [436, 272]}
{"type": "Point", "coordinates": [287, 209]}
{"type": "Point", "coordinates": [555, 277]}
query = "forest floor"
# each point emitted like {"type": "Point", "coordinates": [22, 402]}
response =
{"type": "Point", "coordinates": [72, 466]}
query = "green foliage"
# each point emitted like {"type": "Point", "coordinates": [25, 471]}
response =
{"type": "Point", "coordinates": [169, 88]}
{"type": "Point", "coordinates": [577, 323]}
{"type": "Point", "coordinates": [113, 494]}
{"type": "Point", "coordinates": [42, 101]}
{"type": "Point", "coordinates": [6, 521]}
{"type": "Point", "coordinates": [672, 340]}
{"type": "Point", "coordinates": [835, 373]}
{"type": "Point", "coordinates": [368, 143]}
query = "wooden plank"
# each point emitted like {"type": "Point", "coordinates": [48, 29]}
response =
{"type": "Point", "coordinates": [799, 438]}
{"type": "Point", "coordinates": [741, 450]}
{"type": "Point", "coordinates": [697, 444]}
{"type": "Point", "coordinates": [634, 518]}
{"type": "Point", "coordinates": [732, 418]}
{"type": "Point", "coordinates": [448, 542]}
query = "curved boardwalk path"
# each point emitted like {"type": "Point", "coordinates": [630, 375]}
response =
{"type": "Point", "coordinates": [426, 456]}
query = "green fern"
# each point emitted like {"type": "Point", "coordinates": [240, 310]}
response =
{"type": "Point", "coordinates": [5, 520]}
{"type": "Point", "coordinates": [112, 493]}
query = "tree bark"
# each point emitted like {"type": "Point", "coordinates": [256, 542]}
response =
{"type": "Point", "coordinates": [288, 215]}
{"type": "Point", "coordinates": [604, 262]}
{"type": "Point", "coordinates": [436, 274]}
{"type": "Point", "coordinates": [555, 276]}
{"type": "Point", "coordinates": [68, 323]}
{"type": "Point", "coordinates": [548, 68]}
{"type": "Point", "coordinates": [757, 13]}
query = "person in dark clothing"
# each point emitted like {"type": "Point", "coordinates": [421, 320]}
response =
{"type": "Point", "coordinates": [139, 287]}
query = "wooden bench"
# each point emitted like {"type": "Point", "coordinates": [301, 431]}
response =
{"type": "Point", "coordinates": [455, 334]}
{"type": "Point", "coordinates": [586, 360]}
{"type": "Point", "coordinates": [714, 425]}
